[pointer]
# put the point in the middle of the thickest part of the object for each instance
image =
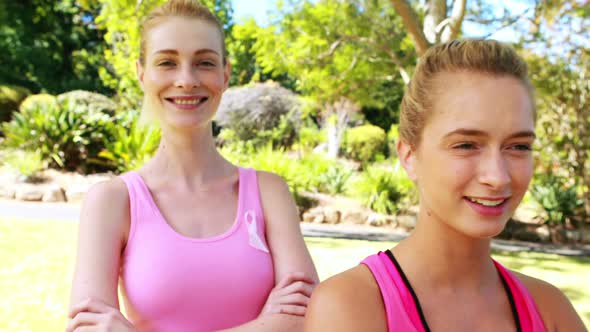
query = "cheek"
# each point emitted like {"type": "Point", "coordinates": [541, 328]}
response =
{"type": "Point", "coordinates": [215, 81]}
{"type": "Point", "coordinates": [154, 81]}
{"type": "Point", "coordinates": [449, 172]}
{"type": "Point", "coordinates": [522, 173]}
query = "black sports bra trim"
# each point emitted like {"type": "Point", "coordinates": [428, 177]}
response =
{"type": "Point", "coordinates": [409, 286]}
{"type": "Point", "coordinates": [419, 307]}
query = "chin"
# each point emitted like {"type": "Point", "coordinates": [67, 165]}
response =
{"type": "Point", "coordinates": [486, 229]}
{"type": "Point", "coordinates": [188, 122]}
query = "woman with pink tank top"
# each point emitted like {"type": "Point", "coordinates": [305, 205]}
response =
{"type": "Point", "coordinates": [466, 133]}
{"type": "Point", "coordinates": [193, 242]}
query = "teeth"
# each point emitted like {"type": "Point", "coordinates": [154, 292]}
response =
{"type": "Point", "coordinates": [186, 102]}
{"type": "Point", "coordinates": [486, 202]}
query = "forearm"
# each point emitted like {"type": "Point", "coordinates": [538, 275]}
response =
{"type": "Point", "coordinates": [271, 323]}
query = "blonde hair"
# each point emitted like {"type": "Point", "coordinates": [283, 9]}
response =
{"type": "Point", "coordinates": [472, 55]}
{"type": "Point", "coordinates": [178, 8]}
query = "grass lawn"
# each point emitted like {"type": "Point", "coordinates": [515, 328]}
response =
{"type": "Point", "coordinates": [37, 258]}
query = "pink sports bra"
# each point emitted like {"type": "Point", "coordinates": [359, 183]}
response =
{"type": "Point", "coordinates": [176, 283]}
{"type": "Point", "coordinates": [403, 308]}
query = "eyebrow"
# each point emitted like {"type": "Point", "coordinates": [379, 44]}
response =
{"type": "Point", "coordinates": [475, 132]}
{"type": "Point", "coordinates": [175, 52]}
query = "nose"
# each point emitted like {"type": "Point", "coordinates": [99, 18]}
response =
{"type": "Point", "coordinates": [494, 171]}
{"type": "Point", "coordinates": [187, 78]}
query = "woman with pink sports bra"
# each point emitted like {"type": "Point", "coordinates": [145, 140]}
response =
{"type": "Point", "coordinates": [193, 242]}
{"type": "Point", "coordinates": [466, 133]}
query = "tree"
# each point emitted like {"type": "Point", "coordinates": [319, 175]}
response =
{"type": "Point", "coordinates": [50, 45]}
{"type": "Point", "coordinates": [439, 24]}
{"type": "Point", "coordinates": [245, 67]}
{"type": "Point", "coordinates": [560, 70]}
{"type": "Point", "coordinates": [563, 98]}
{"type": "Point", "coordinates": [339, 52]}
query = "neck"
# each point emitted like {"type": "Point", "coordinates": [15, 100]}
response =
{"type": "Point", "coordinates": [189, 155]}
{"type": "Point", "coordinates": [452, 260]}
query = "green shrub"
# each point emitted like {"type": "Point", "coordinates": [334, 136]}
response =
{"type": "Point", "coordinates": [68, 136]}
{"type": "Point", "coordinates": [323, 174]}
{"type": "Point", "coordinates": [365, 143]}
{"type": "Point", "coordinates": [271, 160]}
{"type": "Point", "coordinates": [280, 136]}
{"type": "Point", "coordinates": [310, 137]}
{"type": "Point", "coordinates": [27, 163]}
{"type": "Point", "coordinates": [334, 180]}
{"type": "Point", "coordinates": [557, 197]}
{"type": "Point", "coordinates": [380, 189]}
{"type": "Point", "coordinates": [130, 144]}
{"type": "Point", "coordinates": [262, 112]}
{"type": "Point", "coordinates": [10, 98]}
{"type": "Point", "coordinates": [392, 138]}
{"type": "Point", "coordinates": [81, 101]}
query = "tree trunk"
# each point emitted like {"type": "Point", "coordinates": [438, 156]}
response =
{"type": "Point", "coordinates": [333, 139]}
{"type": "Point", "coordinates": [437, 27]}
{"type": "Point", "coordinates": [412, 24]}
{"type": "Point", "coordinates": [436, 12]}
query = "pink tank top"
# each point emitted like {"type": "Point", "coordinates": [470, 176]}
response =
{"type": "Point", "coordinates": [403, 310]}
{"type": "Point", "coordinates": [176, 283]}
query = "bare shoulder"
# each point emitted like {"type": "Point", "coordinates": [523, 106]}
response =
{"type": "Point", "coordinates": [114, 188]}
{"type": "Point", "coordinates": [349, 301]}
{"type": "Point", "coordinates": [556, 310]}
{"type": "Point", "coordinates": [277, 201]}
{"type": "Point", "coordinates": [107, 206]}
{"type": "Point", "coordinates": [270, 182]}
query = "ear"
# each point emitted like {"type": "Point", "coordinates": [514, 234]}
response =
{"type": "Point", "coordinates": [226, 75]}
{"type": "Point", "coordinates": [139, 72]}
{"type": "Point", "coordinates": [407, 157]}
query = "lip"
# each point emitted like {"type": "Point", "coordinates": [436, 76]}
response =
{"type": "Point", "coordinates": [185, 107]}
{"type": "Point", "coordinates": [489, 211]}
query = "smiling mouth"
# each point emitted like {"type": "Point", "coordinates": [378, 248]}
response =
{"type": "Point", "coordinates": [487, 202]}
{"type": "Point", "coordinates": [187, 101]}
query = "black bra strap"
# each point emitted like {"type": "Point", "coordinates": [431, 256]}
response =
{"type": "Point", "coordinates": [419, 308]}
{"type": "Point", "coordinates": [512, 304]}
{"type": "Point", "coordinates": [409, 286]}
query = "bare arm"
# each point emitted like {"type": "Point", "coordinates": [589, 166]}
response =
{"type": "Point", "coordinates": [295, 274]}
{"type": "Point", "coordinates": [103, 228]}
{"type": "Point", "coordinates": [284, 237]}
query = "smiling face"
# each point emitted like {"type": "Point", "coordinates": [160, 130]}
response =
{"type": "Point", "coordinates": [473, 164]}
{"type": "Point", "coordinates": [184, 74]}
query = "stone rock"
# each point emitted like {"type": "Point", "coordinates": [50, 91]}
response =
{"type": "Point", "coordinates": [77, 192]}
{"type": "Point", "coordinates": [408, 223]}
{"type": "Point", "coordinates": [308, 217]}
{"type": "Point", "coordinates": [97, 178]}
{"type": "Point", "coordinates": [377, 220]}
{"type": "Point", "coordinates": [354, 217]}
{"type": "Point", "coordinates": [54, 193]}
{"type": "Point", "coordinates": [312, 215]}
{"type": "Point", "coordinates": [573, 235]}
{"type": "Point", "coordinates": [319, 219]}
{"type": "Point", "coordinates": [28, 193]}
{"type": "Point", "coordinates": [543, 233]}
{"type": "Point", "coordinates": [7, 191]}
{"type": "Point", "coordinates": [332, 216]}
